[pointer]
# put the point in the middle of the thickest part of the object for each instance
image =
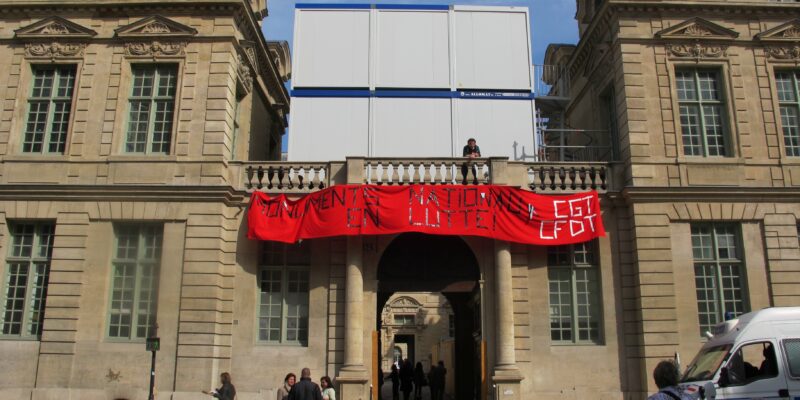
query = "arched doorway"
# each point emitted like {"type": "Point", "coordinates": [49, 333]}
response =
{"type": "Point", "coordinates": [445, 268]}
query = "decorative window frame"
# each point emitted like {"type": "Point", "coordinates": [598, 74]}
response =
{"type": "Point", "coordinates": [781, 46]}
{"type": "Point", "coordinates": [50, 41]}
{"type": "Point", "coordinates": [150, 40]}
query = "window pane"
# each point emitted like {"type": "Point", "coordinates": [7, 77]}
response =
{"type": "Point", "coordinates": [690, 129]}
{"type": "Point", "coordinates": [271, 304]}
{"type": "Point", "coordinates": [719, 275]}
{"type": "Point", "coordinates": [708, 85]}
{"type": "Point", "coordinates": [712, 118]}
{"type": "Point", "coordinates": [791, 130]}
{"type": "Point", "coordinates": [134, 294]}
{"type": "Point", "coordinates": [792, 349]}
{"type": "Point", "coordinates": [587, 306]}
{"type": "Point", "coordinates": [684, 81]}
{"type": "Point", "coordinates": [16, 285]}
{"type": "Point", "coordinates": [560, 304]}
{"type": "Point", "coordinates": [785, 87]}
{"type": "Point", "coordinates": [51, 99]}
{"type": "Point", "coordinates": [152, 107]}
{"type": "Point", "coordinates": [38, 297]}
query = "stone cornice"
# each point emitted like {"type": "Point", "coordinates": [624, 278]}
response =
{"type": "Point", "coordinates": [188, 194]}
{"type": "Point", "coordinates": [723, 194]}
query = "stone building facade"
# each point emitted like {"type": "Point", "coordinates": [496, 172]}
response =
{"type": "Point", "coordinates": [131, 134]}
{"type": "Point", "coordinates": [699, 98]}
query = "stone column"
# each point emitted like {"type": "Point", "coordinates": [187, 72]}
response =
{"type": "Point", "coordinates": [506, 374]}
{"type": "Point", "coordinates": [353, 376]}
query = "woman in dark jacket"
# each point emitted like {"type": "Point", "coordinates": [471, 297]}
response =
{"type": "Point", "coordinates": [419, 381]}
{"type": "Point", "coordinates": [406, 379]}
{"type": "Point", "coordinates": [226, 391]}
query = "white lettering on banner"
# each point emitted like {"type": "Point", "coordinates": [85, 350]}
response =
{"type": "Point", "coordinates": [580, 213]}
{"type": "Point", "coordinates": [555, 229]}
{"type": "Point", "coordinates": [555, 207]}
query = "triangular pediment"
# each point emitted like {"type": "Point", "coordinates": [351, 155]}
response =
{"type": "Point", "coordinates": [155, 26]}
{"type": "Point", "coordinates": [787, 32]}
{"type": "Point", "coordinates": [54, 27]}
{"type": "Point", "coordinates": [697, 28]}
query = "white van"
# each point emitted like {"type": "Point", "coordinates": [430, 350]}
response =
{"type": "Point", "coordinates": [756, 356]}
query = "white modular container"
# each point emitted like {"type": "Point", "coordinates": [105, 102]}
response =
{"type": "Point", "coordinates": [410, 81]}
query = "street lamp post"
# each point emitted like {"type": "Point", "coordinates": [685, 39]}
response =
{"type": "Point", "coordinates": [152, 345]}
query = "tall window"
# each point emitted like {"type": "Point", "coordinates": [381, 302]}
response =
{"type": "Point", "coordinates": [702, 110]}
{"type": "Point", "coordinates": [719, 273]}
{"type": "Point", "coordinates": [27, 271]}
{"type": "Point", "coordinates": [789, 99]}
{"type": "Point", "coordinates": [134, 281]}
{"type": "Point", "coordinates": [48, 109]}
{"type": "Point", "coordinates": [574, 293]}
{"type": "Point", "coordinates": [283, 308]}
{"type": "Point", "coordinates": [152, 104]}
{"type": "Point", "coordinates": [404, 319]}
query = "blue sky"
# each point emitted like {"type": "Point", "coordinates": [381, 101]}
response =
{"type": "Point", "coordinates": [553, 21]}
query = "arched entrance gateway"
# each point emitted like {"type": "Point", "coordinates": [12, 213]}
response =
{"type": "Point", "coordinates": [429, 303]}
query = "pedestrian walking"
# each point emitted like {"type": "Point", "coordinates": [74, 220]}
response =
{"type": "Point", "coordinates": [328, 392]}
{"type": "Point", "coordinates": [225, 392]}
{"type": "Point", "coordinates": [441, 379]}
{"type": "Point", "coordinates": [419, 381]}
{"type": "Point", "coordinates": [306, 389]}
{"type": "Point", "coordinates": [406, 379]}
{"type": "Point", "coordinates": [666, 376]}
{"type": "Point", "coordinates": [395, 378]}
{"type": "Point", "coordinates": [288, 382]}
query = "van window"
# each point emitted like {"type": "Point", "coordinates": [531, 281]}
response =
{"type": "Point", "coordinates": [792, 349]}
{"type": "Point", "coordinates": [752, 362]}
{"type": "Point", "coordinates": [705, 364]}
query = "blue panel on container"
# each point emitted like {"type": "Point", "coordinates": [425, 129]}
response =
{"type": "Point", "coordinates": [330, 93]}
{"type": "Point", "coordinates": [412, 6]}
{"type": "Point", "coordinates": [414, 93]}
{"type": "Point", "coordinates": [488, 94]}
{"type": "Point", "coordinates": [336, 6]}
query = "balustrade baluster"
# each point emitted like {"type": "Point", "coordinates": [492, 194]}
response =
{"type": "Point", "coordinates": [395, 177]}
{"type": "Point", "coordinates": [406, 176]}
{"type": "Point", "coordinates": [552, 174]}
{"type": "Point", "coordinates": [384, 174]}
{"type": "Point", "coordinates": [249, 175]}
{"type": "Point", "coordinates": [592, 176]}
{"type": "Point", "coordinates": [416, 176]}
{"type": "Point", "coordinates": [603, 178]}
{"type": "Point", "coordinates": [301, 178]}
{"type": "Point", "coordinates": [448, 174]}
{"type": "Point", "coordinates": [426, 173]}
{"type": "Point", "coordinates": [582, 175]}
{"type": "Point", "coordinates": [542, 179]}
{"type": "Point", "coordinates": [437, 173]}
{"type": "Point", "coordinates": [270, 175]}
{"type": "Point", "coordinates": [572, 184]}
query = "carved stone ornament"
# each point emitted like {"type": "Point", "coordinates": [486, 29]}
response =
{"type": "Point", "coordinates": [155, 49]}
{"type": "Point", "coordinates": [697, 50]}
{"type": "Point", "coordinates": [54, 28]}
{"type": "Point", "coordinates": [155, 27]}
{"type": "Point", "coordinates": [792, 33]}
{"type": "Point", "coordinates": [54, 49]}
{"type": "Point", "coordinates": [245, 76]}
{"type": "Point", "coordinates": [786, 52]}
{"type": "Point", "coordinates": [696, 30]}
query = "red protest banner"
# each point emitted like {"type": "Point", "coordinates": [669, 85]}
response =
{"type": "Point", "coordinates": [499, 212]}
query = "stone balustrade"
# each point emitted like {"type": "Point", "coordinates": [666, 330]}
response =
{"type": "Point", "coordinates": [436, 171]}
{"type": "Point", "coordinates": [541, 177]}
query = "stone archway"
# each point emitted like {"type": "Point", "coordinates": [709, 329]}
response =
{"type": "Point", "coordinates": [420, 263]}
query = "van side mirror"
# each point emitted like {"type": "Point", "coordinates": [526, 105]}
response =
{"type": "Point", "coordinates": [724, 378]}
{"type": "Point", "coordinates": [708, 391]}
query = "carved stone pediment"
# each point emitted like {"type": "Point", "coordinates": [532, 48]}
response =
{"type": "Point", "coordinates": [155, 26]}
{"type": "Point", "coordinates": [697, 28]}
{"type": "Point", "coordinates": [787, 32]}
{"type": "Point", "coordinates": [54, 27]}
